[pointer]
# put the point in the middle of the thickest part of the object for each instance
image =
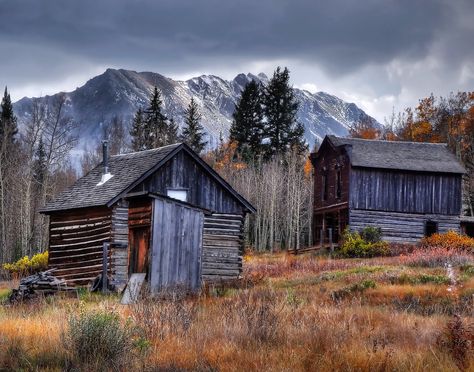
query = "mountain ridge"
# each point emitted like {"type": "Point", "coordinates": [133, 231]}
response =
{"type": "Point", "coordinates": [120, 92]}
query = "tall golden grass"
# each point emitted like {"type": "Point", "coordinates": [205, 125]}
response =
{"type": "Point", "coordinates": [285, 319]}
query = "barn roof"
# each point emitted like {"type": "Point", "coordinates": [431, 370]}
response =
{"type": "Point", "coordinates": [128, 170]}
{"type": "Point", "coordinates": [398, 155]}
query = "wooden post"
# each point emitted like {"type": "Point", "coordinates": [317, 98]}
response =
{"type": "Point", "coordinates": [331, 244]}
{"type": "Point", "coordinates": [321, 238]}
{"type": "Point", "coordinates": [105, 249]}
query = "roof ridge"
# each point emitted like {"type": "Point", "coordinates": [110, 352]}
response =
{"type": "Point", "coordinates": [388, 141]}
{"type": "Point", "coordinates": [148, 150]}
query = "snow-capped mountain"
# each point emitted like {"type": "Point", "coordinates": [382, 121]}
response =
{"type": "Point", "coordinates": [122, 92]}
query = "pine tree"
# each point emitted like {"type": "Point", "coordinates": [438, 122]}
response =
{"type": "Point", "coordinates": [157, 129]}
{"type": "Point", "coordinates": [280, 109]}
{"type": "Point", "coordinates": [171, 135]}
{"type": "Point", "coordinates": [247, 128]}
{"type": "Point", "coordinates": [193, 132]}
{"type": "Point", "coordinates": [137, 132]}
{"type": "Point", "coordinates": [8, 121]}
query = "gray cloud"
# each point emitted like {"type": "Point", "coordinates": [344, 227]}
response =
{"type": "Point", "coordinates": [44, 42]}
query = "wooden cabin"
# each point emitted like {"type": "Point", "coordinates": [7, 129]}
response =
{"type": "Point", "coordinates": [165, 212]}
{"type": "Point", "coordinates": [408, 189]}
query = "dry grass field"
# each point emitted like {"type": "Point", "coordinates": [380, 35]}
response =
{"type": "Point", "coordinates": [291, 313]}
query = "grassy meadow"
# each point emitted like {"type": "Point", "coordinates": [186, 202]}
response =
{"type": "Point", "coordinates": [290, 313]}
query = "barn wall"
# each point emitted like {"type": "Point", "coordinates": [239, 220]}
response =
{"type": "Point", "coordinates": [183, 172]}
{"type": "Point", "coordinates": [409, 192]}
{"type": "Point", "coordinates": [328, 163]}
{"type": "Point", "coordinates": [401, 227]}
{"type": "Point", "coordinates": [176, 246]}
{"type": "Point", "coordinates": [119, 246]}
{"type": "Point", "coordinates": [76, 243]}
{"type": "Point", "coordinates": [222, 247]}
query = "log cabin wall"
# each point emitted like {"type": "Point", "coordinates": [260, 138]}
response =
{"type": "Point", "coordinates": [76, 243]}
{"type": "Point", "coordinates": [222, 247]}
{"type": "Point", "coordinates": [119, 246]}
{"type": "Point", "coordinates": [401, 202]}
{"type": "Point", "coordinates": [402, 227]}
{"type": "Point", "coordinates": [182, 172]}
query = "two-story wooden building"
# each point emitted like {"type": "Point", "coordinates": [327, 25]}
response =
{"type": "Point", "coordinates": [164, 211]}
{"type": "Point", "coordinates": [408, 189]}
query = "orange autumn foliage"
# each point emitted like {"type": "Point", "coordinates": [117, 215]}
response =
{"type": "Point", "coordinates": [308, 167]}
{"type": "Point", "coordinates": [449, 240]}
{"type": "Point", "coordinates": [226, 157]}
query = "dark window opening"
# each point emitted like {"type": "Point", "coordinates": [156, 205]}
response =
{"type": "Point", "coordinates": [338, 184]}
{"type": "Point", "coordinates": [324, 194]}
{"type": "Point", "coordinates": [431, 227]}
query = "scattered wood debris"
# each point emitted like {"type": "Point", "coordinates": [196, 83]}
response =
{"type": "Point", "coordinates": [41, 284]}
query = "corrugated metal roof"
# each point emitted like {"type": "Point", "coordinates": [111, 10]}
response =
{"type": "Point", "coordinates": [397, 155]}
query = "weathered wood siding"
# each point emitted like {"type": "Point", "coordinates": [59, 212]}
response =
{"type": "Point", "coordinates": [222, 247]}
{"type": "Point", "coordinates": [140, 212]}
{"type": "Point", "coordinates": [176, 246]}
{"type": "Point", "coordinates": [401, 227]}
{"type": "Point", "coordinates": [183, 172]}
{"type": "Point", "coordinates": [119, 246]}
{"type": "Point", "coordinates": [76, 243]}
{"type": "Point", "coordinates": [328, 164]}
{"type": "Point", "coordinates": [409, 192]}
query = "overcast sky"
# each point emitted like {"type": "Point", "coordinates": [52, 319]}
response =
{"type": "Point", "coordinates": [378, 54]}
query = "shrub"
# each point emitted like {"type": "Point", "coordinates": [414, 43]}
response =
{"type": "Point", "coordinates": [371, 234]}
{"type": "Point", "coordinates": [449, 240]}
{"type": "Point", "coordinates": [457, 340]}
{"type": "Point", "coordinates": [26, 266]}
{"type": "Point", "coordinates": [98, 340]}
{"type": "Point", "coordinates": [353, 245]}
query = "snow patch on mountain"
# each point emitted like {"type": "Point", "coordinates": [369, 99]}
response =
{"type": "Point", "coordinates": [122, 92]}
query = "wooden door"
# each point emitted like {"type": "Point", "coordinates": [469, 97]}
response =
{"type": "Point", "coordinates": [176, 246]}
{"type": "Point", "coordinates": [139, 243]}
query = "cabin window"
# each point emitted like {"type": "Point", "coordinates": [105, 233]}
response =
{"type": "Point", "coordinates": [179, 194]}
{"type": "Point", "coordinates": [431, 227]}
{"type": "Point", "coordinates": [324, 190]}
{"type": "Point", "coordinates": [338, 184]}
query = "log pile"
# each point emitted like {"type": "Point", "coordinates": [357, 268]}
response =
{"type": "Point", "coordinates": [41, 284]}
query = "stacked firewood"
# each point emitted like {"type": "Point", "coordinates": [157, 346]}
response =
{"type": "Point", "coordinates": [43, 283]}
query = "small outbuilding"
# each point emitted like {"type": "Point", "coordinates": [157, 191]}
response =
{"type": "Point", "coordinates": [408, 189]}
{"type": "Point", "coordinates": [165, 213]}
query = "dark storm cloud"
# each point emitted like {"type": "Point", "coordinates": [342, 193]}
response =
{"type": "Point", "coordinates": [46, 40]}
{"type": "Point", "coordinates": [341, 35]}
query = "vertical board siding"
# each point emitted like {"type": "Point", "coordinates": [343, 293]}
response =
{"type": "Point", "coordinates": [408, 192]}
{"type": "Point", "coordinates": [330, 161]}
{"type": "Point", "coordinates": [222, 247]}
{"type": "Point", "coordinates": [176, 246]}
{"type": "Point", "coordinates": [401, 227]}
{"type": "Point", "coordinates": [203, 191]}
{"type": "Point", "coordinates": [76, 240]}
{"type": "Point", "coordinates": [119, 246]}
